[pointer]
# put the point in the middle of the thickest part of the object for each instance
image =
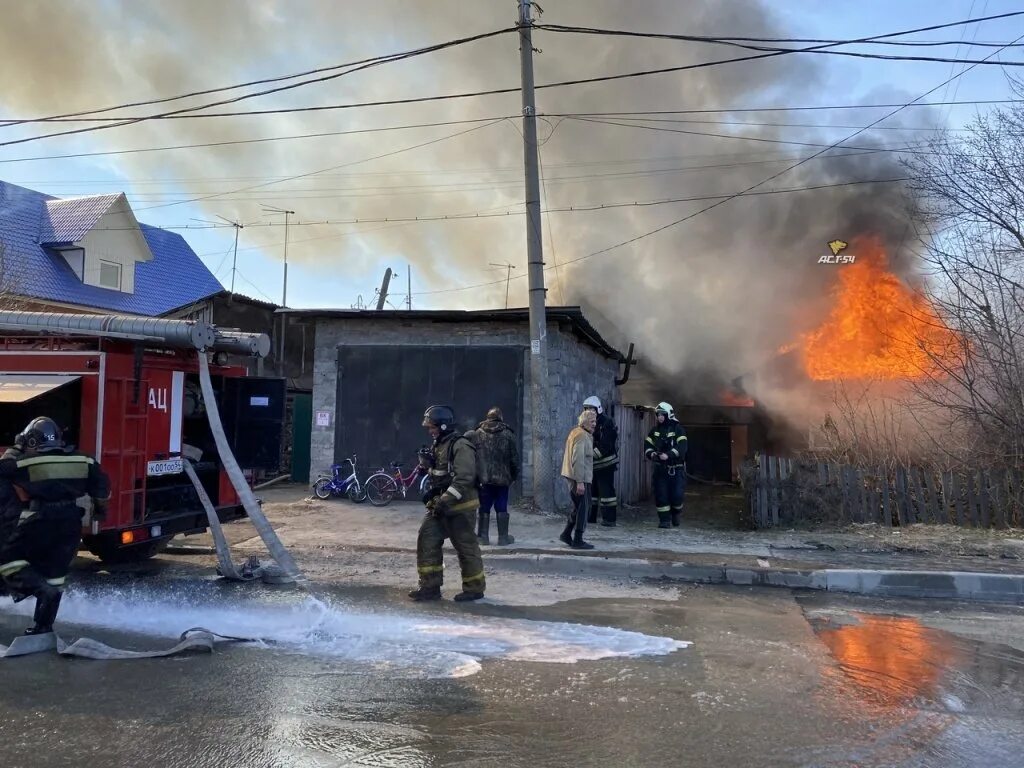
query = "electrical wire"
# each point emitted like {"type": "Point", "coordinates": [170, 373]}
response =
{"type": "Point", "coordinates": [188, 113]}
{"type": "Point", "coordinates": [348, 69]}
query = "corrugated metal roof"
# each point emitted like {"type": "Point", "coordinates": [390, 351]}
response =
{"type": "Point", "coordinates": [68, 220]}
{"type": "Point", "coordinates": [175, 277]}
{"type": "Point", "coordinates": [572, 315]}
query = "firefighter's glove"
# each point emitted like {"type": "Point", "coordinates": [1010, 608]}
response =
{"type": "Point", "coordinates": [443, 505]}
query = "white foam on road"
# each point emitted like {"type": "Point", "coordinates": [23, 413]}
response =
{"type": "Point", "coordinates": [406, 643]}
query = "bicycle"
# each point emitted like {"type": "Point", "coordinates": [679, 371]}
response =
{"type": "Point", "coordinates": [325, 486]}
{"type": "Point", "coordinates": [383, 485]}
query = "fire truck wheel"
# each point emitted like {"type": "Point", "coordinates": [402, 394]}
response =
{"type": "Point", "coordinates": [111, 553]}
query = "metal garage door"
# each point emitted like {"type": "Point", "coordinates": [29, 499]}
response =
{"type": "Point", "coordinates": [383, 391]}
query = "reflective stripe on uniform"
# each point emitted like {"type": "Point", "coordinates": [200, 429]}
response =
{"type": "Point", "coordinates": [439, 472]}
{"type": "Point", "coordinates": [464, 505]}
{"type": "Point", "coordinates": [674, 451]}
{"type": "Point", "coordinates": [608, 500]}
{"type": "Point", "coordinates": [425, 569]}
{"type": "Point", "coordinates": [657, 434]}
{"type": "Point", "coordinates": [677, 509]}
{"type": "Point", "coordinates": [474, 577]}
{"type": "Point", "coordinates": [13, 567]}
{"type": "Point", "coordinates": [56, 467]}
{"type": "Point", "coordinates": [680, 438]}
{"type": "Point", "coordinates": [455, 492]}
{"type": "Point", "coordinates": [26, 515]}
{"type": "Point", "coordinates": [663, 509]}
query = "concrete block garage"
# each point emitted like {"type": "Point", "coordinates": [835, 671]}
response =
{"type": "Point", "coordinates": [375, 372]}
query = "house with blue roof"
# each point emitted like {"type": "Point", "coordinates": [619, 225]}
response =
{"type": "Point", "coordinates": [90, 254]}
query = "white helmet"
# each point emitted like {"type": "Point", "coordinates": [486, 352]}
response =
{"type": "Point", "coordinates": [594, 402]}
{"type": "Point", "coordinates": [666, 409]}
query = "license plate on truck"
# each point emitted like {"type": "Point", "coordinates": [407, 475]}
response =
{"type": "Point", "coordinates": [165, 467]}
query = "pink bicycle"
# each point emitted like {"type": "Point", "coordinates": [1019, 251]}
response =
{"type": "Point", "coordinates": [383, 485]}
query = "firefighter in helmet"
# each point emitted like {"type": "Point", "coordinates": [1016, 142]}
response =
{"type": "Point", "coordinates": [666, 447]}
{"type": "Point", "coordinates": [63, 490]}
{"type": "Point", "coordinates": [606, 461]}
{"type": "Point", "coordinates": [451, 501]}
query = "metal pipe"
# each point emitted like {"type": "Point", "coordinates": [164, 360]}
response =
{"type": "Point", "coordinates": [180, 333]}
{"type": "Point", "coordinates": [241, 343]}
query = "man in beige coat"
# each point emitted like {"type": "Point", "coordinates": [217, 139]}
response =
{"type": "Point", "coordinates": [578, 470]}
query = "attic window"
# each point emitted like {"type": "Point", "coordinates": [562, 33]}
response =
{"type": "Point", "coordinates": [110, 274]}
{"type": "Point", "coordinates": [75, 257]}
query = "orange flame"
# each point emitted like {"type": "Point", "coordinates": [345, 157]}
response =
{"type": "Point", "coordinates": [878, 327]}
{"type": "Point", "coordinates": [728, 397]}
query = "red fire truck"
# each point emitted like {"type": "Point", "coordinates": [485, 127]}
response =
{"type": "Point", "coordinates": [128, 393]}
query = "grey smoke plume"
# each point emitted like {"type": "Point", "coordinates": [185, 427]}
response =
{"type": "Point", "coordinates": [705, 301]}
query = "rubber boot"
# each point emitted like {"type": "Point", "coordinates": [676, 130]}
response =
{"type": "Point", "coordinates": [465, 597]}
{"type": "Point", "coordinates": [424, 594]}
{"type": "Point", "coordinates": [608, 516]}
{"type": "Point", "coordinates": [675, 517]}
{"type": "Point", "coordinates": [483, 527]}
{"type": "Point", "coordinates": [663, 520]}
{"type": "Point", "coordinates": [47, 605]}
{"type": "Point", "coordinates": [503, 538]}
{"type": "Point", "coordinates": [579, 543]}
{"type": "Point", "coordinates": [566, 535]}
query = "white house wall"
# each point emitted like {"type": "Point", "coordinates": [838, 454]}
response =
{"type": "Point", "coordinates": [115, 238]}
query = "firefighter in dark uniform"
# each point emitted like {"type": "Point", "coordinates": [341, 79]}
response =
{"type": "Point", "coordinates": [666, 447]}
{"type": "Point", "coordinates": [606, 461]}
{"type": "Point", "coordinates": [63, 489]}
{"type": "Point", "coordinates": [451, 502]}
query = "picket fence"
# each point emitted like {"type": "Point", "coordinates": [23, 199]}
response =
{"type": "Point", "coordinates": [787, 490]}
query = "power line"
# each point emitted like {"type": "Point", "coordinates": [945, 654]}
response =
{"type": "Point", "coordinates": [256, 141]}
{"type": "Point", "coordinates": [370, 61]}
{"type": "Point", "coordinates": [119, 122]}
{"type": "Point", "coordinates": [187, 113]}
{"type": "Point", "coordinates": [749, 190]}
{"type": "Point", "coordinates": [323, 170]}
{"type": "Point", "coordinates": [492, 214]}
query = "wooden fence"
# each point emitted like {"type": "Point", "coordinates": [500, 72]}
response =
{"type": "Point", "coordinates": [634, 475]}
{"type": "Point", "coordinates": [785, 490]}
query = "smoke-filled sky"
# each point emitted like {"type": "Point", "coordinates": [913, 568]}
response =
{"type": "Point", "coordinates": [718, 293]}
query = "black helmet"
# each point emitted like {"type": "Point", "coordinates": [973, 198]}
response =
{"type": "Point", "coordinates": [440, 416]}
{"type": "Point", "coordinates": [41, 434]}
{"type": "Point", "coordinates": [495, 414]}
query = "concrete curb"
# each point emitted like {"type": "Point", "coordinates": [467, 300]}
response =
{"type": "Point", "coordinates": [954, 585]}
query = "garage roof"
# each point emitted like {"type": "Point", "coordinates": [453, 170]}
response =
{"type": "Point", "coordinates": [572, 315]}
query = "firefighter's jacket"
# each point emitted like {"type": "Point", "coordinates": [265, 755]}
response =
{"type": "Point", "coordinates": [668, 438]}
{"type": "Point", "coordinates": [606, 444]}
{"type": "Point", "coordinates": [55, 481]}
{"type": "Point", "coordinates": [454, 473]}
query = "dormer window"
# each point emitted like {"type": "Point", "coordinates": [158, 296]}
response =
{"type": "Point", "coordinates": [110, 274]}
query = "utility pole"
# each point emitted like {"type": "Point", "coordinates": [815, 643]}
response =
{"type": "Point", "coordinates": [284, 291]}
{"type": "Point", "coordinates": [508, 277]}
{"type": "Point", "coordinates": [543, 487]}
{"type": "Point", "coordinates": [383, 294]}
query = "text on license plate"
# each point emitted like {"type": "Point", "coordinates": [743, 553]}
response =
{"type": "Point", "coordinates": [166, 467]}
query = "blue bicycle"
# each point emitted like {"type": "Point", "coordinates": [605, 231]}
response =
{"type": "Point", "coordinates": [325, 486]}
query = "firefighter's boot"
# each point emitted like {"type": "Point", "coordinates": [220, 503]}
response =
{"type": "Point", "coordinates": [483, 527]}
{"type": "Point", "coordinates": [675, 517]}
{"type": "Point", "coordinates": [664, 520]}
{"type": "Point", "coordinates": [425, 594]}
{"type": "Point", "coordinates": [503, 538]}
{"type": "Point", "coordinates": [465, 596]}
{"type": "Point", "coordinates": [47, 606]}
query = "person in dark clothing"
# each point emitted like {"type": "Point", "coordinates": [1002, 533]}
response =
{"type": "Point", "coordinates": [498, 461]}
{"type": "Point", "coordinates": [606, 461]}
{"type": "Point", "coordinates": [10, 506]}
{"type": "Point", "coordinates": [61, 487]}
{"type": "Point", "coordinates": [666, 447]}
{"type": "Point", "coordinates": [450, 502]}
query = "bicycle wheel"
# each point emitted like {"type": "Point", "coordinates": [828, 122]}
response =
{"type": "Point", "coordinates": [424, 485]}
{"type": "Point", "coordinates": [380, 489]}
{"type": "Point", "coordinates": [322, 488]}
{"type": "Point", "coordinates": [356, 492]}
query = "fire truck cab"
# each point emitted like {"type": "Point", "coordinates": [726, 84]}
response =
{"type": "Point", "coordinates": [138, 408]}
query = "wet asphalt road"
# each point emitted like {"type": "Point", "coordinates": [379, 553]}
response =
{"type": "Point", "coordinates": [772, 679]}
